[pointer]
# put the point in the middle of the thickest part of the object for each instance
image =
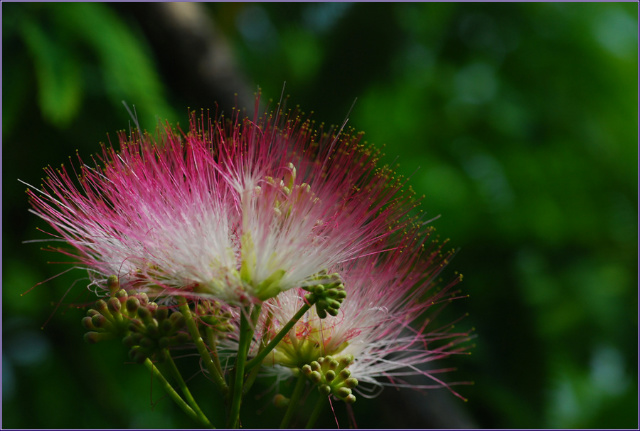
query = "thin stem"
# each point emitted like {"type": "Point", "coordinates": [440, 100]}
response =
{"type": "Point", "coordinates": [213, 345]}
{"type": "Point", "coordinates": [183, 387]}
{"type": "Point", "coordinates": [202, 348]}
{"type": "Point", "coordinates": [246, 334]}
{"type": "Point", "coordinates": [263, 342]}
{"type": "Point", "coordinates": [316, 411]}
{"type": "Point", "coordinates": [175, 396]}
{"type": "Point", "coordinates": [293, 401]}
{"type": "Point", "coordinates": [285, 329]}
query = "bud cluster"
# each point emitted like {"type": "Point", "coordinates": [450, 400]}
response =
{"type": "Point", "coordinates": [144, 327]}
{"type": "Point", "coordinates": [332, 376]}
{"type": "Point", "coordinates": [211, 315]}
{"type": "Point", "coordinates": [327, 296]}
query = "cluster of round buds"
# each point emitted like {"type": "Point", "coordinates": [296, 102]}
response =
{"type": "Point", "coordinates": [327, 296]}
{"type": "Point", "coordinates": [144, 327]}
{"type": "Point", "coordinates": [332, 376]}
{"type": "Point", "coordinates": [213, 317]}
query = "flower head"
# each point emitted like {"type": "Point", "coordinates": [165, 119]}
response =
{"type": "Point", "coordinates": [373, 332]}
{"type": "Point", "coordinates": [238, 210]}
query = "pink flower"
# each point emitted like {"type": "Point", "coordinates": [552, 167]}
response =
{"type": "Point", "coordinates": [237, 210]}
{"type": "Point", "coordinates": [386, 293]}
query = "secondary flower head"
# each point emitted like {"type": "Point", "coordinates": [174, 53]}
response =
{"type": "Point", "coordinates": [238, 209]}
{"type": "Point", "coordinates": [373, 333]}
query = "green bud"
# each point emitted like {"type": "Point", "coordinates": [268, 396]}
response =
{"type": "Point", "coordinates": [136, 325]}
{"type": "Point", "coordinates": [315, 365]}
{"type": "Point", "coordinates": [144, 314]}
{"type": "Point", "coordinates": [315, 377]}
{"type": "Point", "coordinates": [91, 312]}
{"type": "Point", "coordinates": [332, 311]}
{"type": "Point", "coordinates": [147, 343]}
{"type": "Point", "coordinates": [121, 294]}
{"type": "Point", "coordinates": [87, 323]}
{"type": "Point", "coordinates": [99, 321]}
{"type": "Point", "coordinates": [114, 305]}
{"type": "Point", "coordinates": [343, 392]}
{"type": "Point", "coordinates": [344, 374]}
{"type": "Point", "coordinates": [333, 364]}
{"type": "Point", "coordinates": [280, 401]}
{"type": "Point", "coordinates": [152, 329]}
{"type": "Point", "coordinates": [164, 342]}
{"type": "Point", "coordinates": [129, 340]}
{"type": "Point", "coordinates": [350, 399]}
{"type": "Point", "coordinates": [113, 284]}
{"type": "Point", "coordinates": [177, 320]}
{"type": "Point", "coordinates": [101, 306]}
{"type": "Point", "coordinates": [94, 337]}
{"type": "Point", "coordinates": [144, 299]}
{"type": "Point", "coordinates": [306, 370]}
{"type": "Point", "coordinates": [152, 307]}
{"type": "Point", "coordinates": [139, 357]}
{"type": "Point", "coordinates": [166, 326]}
{"type": "Point", "coordinates": [346, 360]}
{"type": "Point", "coordinates": [179, 339]}
{"type": "Point", "coordinates": [162, 313]}
{"type": "Point", "coordinates": [330, 376]}
{"type": "Point", "coordinates": [351, 382]}
{"type": "Point", "coordinates": [324, 389]}
{"type": "Point", "coordinates": [132, 304]}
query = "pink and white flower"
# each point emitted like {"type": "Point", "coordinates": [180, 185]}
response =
{"type": "Point", "coordinates": [237, 210]}
{"type": "Point", "coordinates": [386, 293]}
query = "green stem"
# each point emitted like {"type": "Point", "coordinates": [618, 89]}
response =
{"type": "Point", "coordinates": [246, 334]}
{"type": "Point", "coordinates": [263, 342]}
{"type": "Point", "coordinates": [285, 329]}
{"type": "Point", "coordinates": [174, 395]}
{"type": "Point", "coordinates": [213, 345]}
{"type": "Point", "coordinates": [316, 411]}
{"type": "Point", "coordinates": [202, 348]}
{"type": "Point", "coordinates": [185, 390]}
{"type": "Point", "coordinates": [293, 401]}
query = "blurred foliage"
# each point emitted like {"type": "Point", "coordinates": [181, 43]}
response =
{"type": "Point", "coordinates": [518, 122]}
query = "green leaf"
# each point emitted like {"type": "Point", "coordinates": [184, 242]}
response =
{"type": "Point", "coordinates": [57, 73]}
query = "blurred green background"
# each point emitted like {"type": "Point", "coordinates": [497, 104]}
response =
{"type": "Point", "coordinates": [518, 122]}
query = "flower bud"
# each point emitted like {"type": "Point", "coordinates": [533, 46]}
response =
{"type": "Point", "coordinates": [315, 377]}
{"type": "Point", "coordinates": [162, 313]}
{"type": "Point", "coordinates": [330, 376]}
{"type": "Point", "coordinates": [280, 401]}
{"type": "Point", "coordinates": [351, 382]}
{"type": "Point", "coordinates": [87, 323]}
{"type": "Point", "coordinates": [99, 321]}
{"type": "Point", "coordinates": [343, 392]}
{"type": "Point", "coordinates": [114, 305]}
{"type": "Point", "coordinates": [113, 284]}
{"type": "Point", "coordinates": [94, 337]}
{"type": "Point", "coordinates": [132, 304]}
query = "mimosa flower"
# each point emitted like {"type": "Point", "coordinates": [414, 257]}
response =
{"type": "Point", "coordinates": [386, 293]}
{"type": "Point", "coordinates": [238, 210]}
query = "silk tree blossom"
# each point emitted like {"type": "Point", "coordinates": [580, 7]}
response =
{"type": "Point", "coordinates": [386, 294]}
{"type": "Point", "coordinates": [238, 209]}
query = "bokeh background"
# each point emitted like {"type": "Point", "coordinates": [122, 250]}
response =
{"type": "Point", "coordinates": [518, 122]}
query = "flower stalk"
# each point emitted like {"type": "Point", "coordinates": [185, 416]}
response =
{"type": "Point", "coordinates": [293, 401]}
{"type": "Point", "coordinates": [201, 419]}
{"type": "Point", "coordinates": [246, 334]}
{"type": "Point", "coordinates": [202, 348]}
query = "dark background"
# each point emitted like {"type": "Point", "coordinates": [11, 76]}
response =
{"type": "Point", "coordinates": [518, 122]}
